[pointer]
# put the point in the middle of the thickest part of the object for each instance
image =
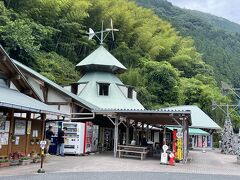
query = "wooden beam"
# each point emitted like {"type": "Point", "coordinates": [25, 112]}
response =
{"type": "Point", "coordinates": [15, 77]}
{"type": "Point", "coordinates": [82, 109]}
{"type": "Point", "coordinates": [3, 58]}
{"type": "Point", "coordinates": [127, 131]}
{"type": "Point", "coordinates": [28, 92]}
{"type": "Point", "coordinates": [44, 89]}
{"type": "Point", "coordinates": [57, 103]}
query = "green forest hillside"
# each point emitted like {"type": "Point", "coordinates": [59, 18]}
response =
{"type": "Point", "coordinates": [217, 39]}
{"type": "Point", "coordinates": [165, 67]}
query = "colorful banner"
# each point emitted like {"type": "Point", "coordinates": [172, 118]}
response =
{"type": "Point", "coordinates": [179, 149]}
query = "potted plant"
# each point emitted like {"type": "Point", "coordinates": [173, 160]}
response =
{"type": "Point", "coordinates": [4, 162]}
{"type": "Point", "coordinates": [14, 158]}
{"type": "Point", "coordinates": [25, 160]}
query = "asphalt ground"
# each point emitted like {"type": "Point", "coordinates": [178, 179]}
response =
{"type": "Point", "coordinates": [212, 163]}
{"type": "Point", "coordinates": [120, 176]}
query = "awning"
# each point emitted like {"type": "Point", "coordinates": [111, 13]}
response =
{"type": "Point", "coordinates": [199, 118]}
{"type": "Point", "coordinates": [10, 98]}
{"type": "Point", "coordinates": [154, 117]}
{"type": "Point", "coordinates": [192, 131]}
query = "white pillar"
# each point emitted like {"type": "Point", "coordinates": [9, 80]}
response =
{"type": "Point", "coordinates": [184, 141]}
{"type": "Point", "coordinates": [116, 136]}
{"type": "Point", "coordinates": [193, 141]}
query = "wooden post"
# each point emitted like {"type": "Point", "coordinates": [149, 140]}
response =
{"type": "Point", "coordinates": [135, 132]}
{"type": "Point", "coordinates": [116, 136]}
{"type": "Point", "coordinates": [127, 132]}
{"type": "Point", "coordinates": [147, 135]}
{"type": "Point", "coordinates": [164, 135]}
{"type": "Point", "coordinates": [11, 119]}
{"type": "Point", "coordinates": [43, 118]}
{"type": "Point", "coordinates": [27, 135]}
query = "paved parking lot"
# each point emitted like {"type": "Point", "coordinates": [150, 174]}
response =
{"type": "Point", "coordinates": [212, 162]}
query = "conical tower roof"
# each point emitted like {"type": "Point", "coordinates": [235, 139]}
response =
{"type": "Point", "coordinates": [101, 60]}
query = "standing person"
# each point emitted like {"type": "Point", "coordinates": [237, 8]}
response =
{"type": "Point", "coordinates": [61, 137]}
{"type": "Point", "coordinates": [49, 134]}
{"type": "Point", "coordinates": [144, 141]}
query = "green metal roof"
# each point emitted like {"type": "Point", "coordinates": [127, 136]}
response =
{"type": "Point", "coordinates": [115, 100]}
{"type": "Point", "coordinates": [56, 86]}
{"type": "Point", "coordinates": [102, 60]}
{"type": "Point", "coordinates": [14, 99]}
{"type": "Point", "coordinates": [192, 131]}
{"type": "Point", "coordinates": [199, 118]}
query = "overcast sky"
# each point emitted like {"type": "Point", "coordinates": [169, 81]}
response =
{"type": "Point", "coordinates": [229, 9]}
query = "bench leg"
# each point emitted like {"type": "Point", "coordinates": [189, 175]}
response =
{"type": "Point", "coordinates": [141, 156]}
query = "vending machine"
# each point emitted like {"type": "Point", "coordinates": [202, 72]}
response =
{"type": "Point", "coordinates": [88, 137]}
{"type": "Point", "coordinates": [74, 141]}
{"type": "Point", "coordinates": [95, 138]}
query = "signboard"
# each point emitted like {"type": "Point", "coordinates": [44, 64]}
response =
{"type": "Point", "coordinates": [20, 127]}
{"type": "Point", "coordinates": [2, 123]}
{"type": "Point", "coordinates": [164, 155]}
{"type": "Point", "coordinates": [179, 133]}
{"type": "Point", "coordinates": [165, 148]}
{"type": "Point", "coordinates": [179, 148]}
{"type": "Point", "coordinates": [43, 144]}
{"type": "Point", "coordinates": [164, 158]}
{"type": "Point", "coordinates": [29, 126]}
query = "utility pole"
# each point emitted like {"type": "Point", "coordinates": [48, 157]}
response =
{"type": "Point", "coordinates": [227, 134]}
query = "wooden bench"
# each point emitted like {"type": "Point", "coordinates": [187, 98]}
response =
{"type": "Point", "coordinates": [132, 151]}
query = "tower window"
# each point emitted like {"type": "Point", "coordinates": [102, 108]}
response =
{"type": "Point", "coordinates": [130, 92]}
{"type": "Point", "coordinates": [103, 89]}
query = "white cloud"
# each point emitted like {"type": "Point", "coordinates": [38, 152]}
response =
{"type": "Point", "coordinates": [229, 9]}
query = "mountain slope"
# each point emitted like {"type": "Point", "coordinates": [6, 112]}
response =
{"type": "Point", "coordinates": [217, 39]}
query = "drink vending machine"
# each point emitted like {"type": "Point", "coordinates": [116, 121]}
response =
{"type": "Point", "coordinates": [80, 138]}
{"type": "Point", "coordinates": [88, 137]}
{"type": "Point", "coordinates": [74, 141]}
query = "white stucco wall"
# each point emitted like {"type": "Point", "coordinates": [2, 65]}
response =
{"type": "Point", "coordinates": [54, 96]}
{"type": "Point", "coordinates": [134, 94]}
{"type": "Point", "coordinates": [36, 86]}
{"type": "Point", "coordinates": [63, 108]}
{"type": "Point", "coordinates": [12, 86]}
{"type": "Point", "coordinates": [81, 87]}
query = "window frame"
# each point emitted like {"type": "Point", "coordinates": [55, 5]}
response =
{"type": "Point", "coordinates": [103, 84]}
{"type": "Point", "coordinates": [130, 89]}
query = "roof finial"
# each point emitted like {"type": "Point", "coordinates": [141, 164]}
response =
{"type": "Point", "coordinates": [91, 33]}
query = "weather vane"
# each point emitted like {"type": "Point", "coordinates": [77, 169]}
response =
{"type": "Point", "coordinates": [91, 33]}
